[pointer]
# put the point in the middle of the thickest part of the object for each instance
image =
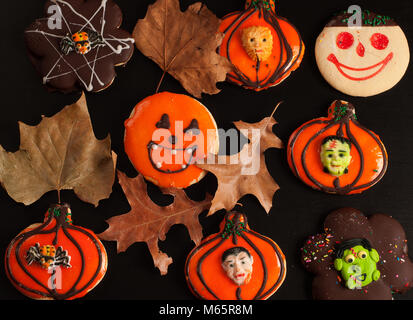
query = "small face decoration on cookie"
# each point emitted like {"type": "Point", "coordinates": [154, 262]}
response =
{"type": "Point", "coordinates": [362, 61]}
{"type": "Point", "coordinates": [258, 42]}
{"type": "Point", "coordinates": [356, 260]}
{"type": "Point", "coordinates": [335, 155]}
{"type": "Point", "coordinates": [263, 47]}
{"type": "Point", "coordinates": [166, 134]}
{"type": "Point", "coordinates": [237, 263]}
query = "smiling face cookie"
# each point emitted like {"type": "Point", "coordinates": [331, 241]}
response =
{"type": "Point", "coordinates": [362, 61]}
{"type": "Point", "coordinates": [166, 134]}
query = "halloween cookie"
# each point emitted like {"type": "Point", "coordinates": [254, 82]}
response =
{"type": "Point", "coordinates": [358, 258]}
{"type": "Point", "coordinates": [235, 264]}
{"type": "Point", "coordinates": [166, 134]}
{"type": "Point", "coordinates": [263, 47]}
{"type": "Point", "coordinates": [55, 259]}
{"type": "Point", "coordinates": [362, 61]}
{"type": "Point", "coordinates": [78, 44]}
{"type": "Point", "coordinates": [336, 154]}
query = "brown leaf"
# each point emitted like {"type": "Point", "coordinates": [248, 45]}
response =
{"type": "Point", "coordinates": [184, 44]}
{"type": "Point", "coordinates": [61, 152]}
{"type": "Point", "coordinates": [239, 174]}
{"type": "Point", "coordinates": [148, 222]}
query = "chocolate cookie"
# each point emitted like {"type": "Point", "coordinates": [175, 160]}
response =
{"type": "Point", "coordinates": [358, 258]}
{"type": "Point", "coordinates": [78, 44]}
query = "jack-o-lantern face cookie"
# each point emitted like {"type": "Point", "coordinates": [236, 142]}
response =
{"type": "Point", "coordinates": [362, 61]}
{"type": "Point", "coordinates": [166, 134]}
{"type": "Point", "coordinates": [336, 154]}
{"type": "Point", "coordinates": [78, 44]}
{"type": "Point", "coordinates": [263, 47]}
{"type": "Point", "coordinates": [56, 259]}
{"type": "Point", "coordinates": [235, 264]}
{"type": "Point", "coordinates": [358, 258]}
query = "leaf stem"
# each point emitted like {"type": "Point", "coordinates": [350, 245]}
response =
{"type": "Point", "coordinates": [272, 114]}
{"type": "Point", "coordinates": [160, 82]}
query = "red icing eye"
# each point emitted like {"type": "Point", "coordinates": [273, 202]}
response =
{"type": "Point", "coordinates": [379, 41]}
{"type": "Point", "coordinates": [345, 40]}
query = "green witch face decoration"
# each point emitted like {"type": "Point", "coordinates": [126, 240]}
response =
{"type": "Point", "coordinates": [335, 155]}
{"type": "Point", "coordinates": [356, 260]}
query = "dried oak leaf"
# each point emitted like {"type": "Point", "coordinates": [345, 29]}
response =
{"type": "Point", "coordinates": [184, 44]}
{"type": "Point", "coordinates": [148, 222]}
{"type": "Point", "coordinates": [245, 172]}
{"type": "Point", "coordinates": [60, 153]}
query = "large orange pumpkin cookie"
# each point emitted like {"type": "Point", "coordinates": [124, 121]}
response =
{"type": "Point", "coordinates": [166, 134]}
{"type": "Point", "coordinates": [235, 264]}
{"type": "Point", "coordinates": [263, 47]}
{"type": "Point", "coordinates": [55, 259]}
{"type": "Point", "coordinates": [336, 154]}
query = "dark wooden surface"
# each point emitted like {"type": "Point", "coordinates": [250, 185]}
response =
{"type": "Point", "coordinates": [298, 211]}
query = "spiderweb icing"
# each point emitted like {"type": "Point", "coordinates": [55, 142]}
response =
{"type": "Point", "coordinates": [95, 70]}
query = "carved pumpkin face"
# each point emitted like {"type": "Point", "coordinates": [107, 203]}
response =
{"type": "Point", "coordinates": [263, 47]}
{"type": "Point", "coordinates": [362, 61]}
{"type": "Point", "coordinates": [336, 154]}
{"type": "Point", "coordinates": [166, 134]}
{"type": "Point", "coordinates": [235, 264]}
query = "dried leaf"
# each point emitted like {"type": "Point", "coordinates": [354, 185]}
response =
{"type": "Point", "coordinates": [148, 222]}
{"type": "Point", "coordinates": [239, 174]}
{"type": "Point", "coordinates": [60, 153]}
{"type": "Point", "coordinates": [184, 44]}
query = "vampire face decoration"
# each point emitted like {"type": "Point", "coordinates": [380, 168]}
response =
{"type": "Point", "coordinates": [237, 263]}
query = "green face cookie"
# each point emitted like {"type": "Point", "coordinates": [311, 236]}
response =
{"type": "Point", "coordinates": [335, 156]}
{"type": "Point", "coordinates": [358, 266]}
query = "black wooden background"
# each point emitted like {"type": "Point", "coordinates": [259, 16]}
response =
{"type": "Point", "coordinates": [298, 211]}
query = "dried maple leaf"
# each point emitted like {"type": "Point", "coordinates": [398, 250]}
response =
{"type": "Point", "coordinates": [61, 152]}
{"type": "Point", "coordinates": [184, 44]}
{"type": "Point", "coordinates": [245, 172]}
{"type": "Point", "coordinates": [148, 222]}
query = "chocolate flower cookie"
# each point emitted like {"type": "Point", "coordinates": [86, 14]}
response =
{"type": "Point", "coordinates": [78, 44]}
{"type": "Point", "coordinates": [358, 258]}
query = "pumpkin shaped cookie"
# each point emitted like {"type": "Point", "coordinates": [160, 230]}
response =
{"type": "Point", "coordinates": [166, 134]}
{"type": "Point", "coordinates": [263, 47]}
{"type": "Point", "coordinates": [55, 259]}
{"type": "Point", "coordinates": [336, 154]}
{"type": "Point", "coordinates": [235, 264]}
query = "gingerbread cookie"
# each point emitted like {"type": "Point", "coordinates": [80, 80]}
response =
{"type": "Point", "coordinates": [358, 258]}
{"type": "Point", "coordinates": [166, 134]}
{"type": "Point", "coordinates": [336, 154]}
{"type": "Point", "coordinates": [235, 264]}
{"type": "Point", "coordinates": [362, 60]}
{"type": "Point", "coordinates": [78, 44]}
{"type": "Point", "coordinates": [263, 47]}
{"type": "Point", "coordinates": [56, 259]}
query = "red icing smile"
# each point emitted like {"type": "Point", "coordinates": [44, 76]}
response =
{"type": "Point", "coordinates": [332, 58]}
